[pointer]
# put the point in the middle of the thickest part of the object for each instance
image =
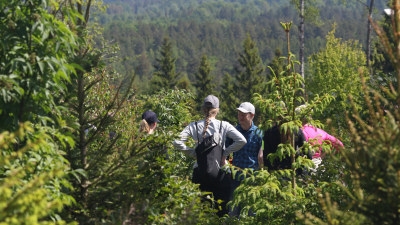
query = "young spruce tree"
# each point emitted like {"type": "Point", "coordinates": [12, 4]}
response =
{"type": "Point", "coordinates": [373, 159]}
{"type": "Point", "coordinates": [204, 82]}
{"type": "Point", "coordinates": [250, 77]}
{"type": "Point", "coordinates": [165, 76]}
{"type": "Point", "coordinates": [274, 197]}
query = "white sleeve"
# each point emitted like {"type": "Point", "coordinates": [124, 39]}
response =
{"type": "Point", "coordinates": [180, 143]}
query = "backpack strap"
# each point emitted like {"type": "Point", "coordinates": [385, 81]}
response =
{"type": "Point", "coordinates": [220, 136]}
{"type": "Point", "coordinates": [197, 133]}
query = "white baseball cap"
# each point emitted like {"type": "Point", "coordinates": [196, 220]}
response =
{"type": "Point", "coordinates": [247, 107]}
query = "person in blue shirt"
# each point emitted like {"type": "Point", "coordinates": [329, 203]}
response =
{"type": "Point", "coordinates": [251, 154]}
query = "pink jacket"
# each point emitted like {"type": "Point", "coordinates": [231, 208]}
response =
{"type": "Point", "coordinates": [318, 136]}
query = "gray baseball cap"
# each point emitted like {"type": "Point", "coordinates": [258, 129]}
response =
{"type": "Point", "coordinates": [211, 101]}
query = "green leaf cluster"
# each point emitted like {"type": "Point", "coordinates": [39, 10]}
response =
{"type": "Point", "coordinates": [32, 178]}
{"type": "Point", "coordinates": [337, 70]}
{"type": "Point", "coordinates": [34, 74]}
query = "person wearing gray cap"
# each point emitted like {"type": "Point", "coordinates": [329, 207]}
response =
{"type": "Point", "coordinates": [250, 155]}
{"type": "Point", "coordinates": [206, 127]}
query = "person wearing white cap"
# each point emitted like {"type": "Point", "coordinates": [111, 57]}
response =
{"type": "Point", "coordinates": [206, 127]}
{"type": "Point", "coordinates": [250, 155]}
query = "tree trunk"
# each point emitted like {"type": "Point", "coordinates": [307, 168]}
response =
{"type": "Point", "coordinates": [371, 5]}
{"type": "Point", "coordinates": [82, 135]}
{"type": "Point", "coordinates": [301, 34]}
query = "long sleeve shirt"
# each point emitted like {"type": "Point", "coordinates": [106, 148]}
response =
{"type": "Point", "coordinates": [191, 131]}
{"type": "Point", "coordinates": [317, 136]}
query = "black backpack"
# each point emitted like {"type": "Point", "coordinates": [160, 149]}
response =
{"type": "Point", "coordinates": [209, 155]}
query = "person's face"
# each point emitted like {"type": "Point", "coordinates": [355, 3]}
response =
{"type": "Point", "coordinates": [245, 118]}
{"type": "Point", "coordinates": [152, 126]}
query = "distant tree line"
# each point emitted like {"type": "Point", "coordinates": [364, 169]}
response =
{"type": "Point", "coordinates": [217, 29]}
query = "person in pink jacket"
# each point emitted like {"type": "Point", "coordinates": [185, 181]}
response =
{"type": "Point", "coordinates": [317, 136]}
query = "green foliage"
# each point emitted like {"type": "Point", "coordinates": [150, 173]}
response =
{"type": "Point", "coordinates": [100, 113]}
{"type": "Point", "coordinates": [35, 72]}
{"type": "Point", "coordinates": [32, 178]}
{"type": "Point", "coordinates": [173, 107]}
{"type": "Point", "coordinates": [367, 193]}
{"type": "Point", "coordinates": [96, 101]}
{"type": "Point", "coordinates": [371, 187]}
{"type": "Point", "coordinates": [382, 64]}
{"type": "Point", "coordinates": [165, 75]}
{"type": "Point", "coordinates": [311, 12]}
{"type": "Point", "coordinates": [229, 100]}
{"type": "Point", "coordinates": [205, 83]}
{"type": "Point", "coordinates": [250, 76]}
{"type": "Point", "coordinates": [162, 188]}
{"type": "Point", "coordinates": [275, 197]}
{"type": "Point", "coordinates": [160, 192]}
{"type": "Point", "coordinates": [336, 70]}
{"type": "Point", "coordinates": [34, 68]}
{"type": "Point", "coordinates": [182, 205]}
{"type": "Point", "coordinates": [277, 64]}
{"type": "Point", "coordinates": [385, 64]}
{"type": "Point", "coordinates": [267, 198]}
{"type": "Point", "coordinates": [336, 216]}
{"type": "Point", "coordinates": [217, 28]}
{"type": "Point", "coordinates": [374, 161]}
{"type": "Point", "coordinates": [122, 176]}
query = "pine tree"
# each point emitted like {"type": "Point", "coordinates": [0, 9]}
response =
{"type": "Point", "coordinates": [250, 77]}
{"type": "Point", "coordinates": [228, 100]}
{"type": "Point", "coordinates": [165, 75]}
{"type": "Point", "coordinates": [204, 82]}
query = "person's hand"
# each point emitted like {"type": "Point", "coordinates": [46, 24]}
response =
{"type": "Point", "coordinates": [224, 161]}
{"type": "Point", "coordinates": [260, 158]}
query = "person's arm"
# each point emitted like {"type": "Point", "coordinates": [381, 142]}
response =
{"type": "Point", "coordinates": [336, 143]}
{"type": "Point", "coordinates": [300, 139]}
{"type": "Point", "coordinates": [238, 139]}
{"type": "Point", "coordinates": [183, 137]}
{"type": "Point", "coordinates": [261, 158]}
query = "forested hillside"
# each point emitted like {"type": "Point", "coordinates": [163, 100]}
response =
{"type": "Point", "coordinates": [72, 146]}
{"type": "Point", "coordinates": [218, 29]}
